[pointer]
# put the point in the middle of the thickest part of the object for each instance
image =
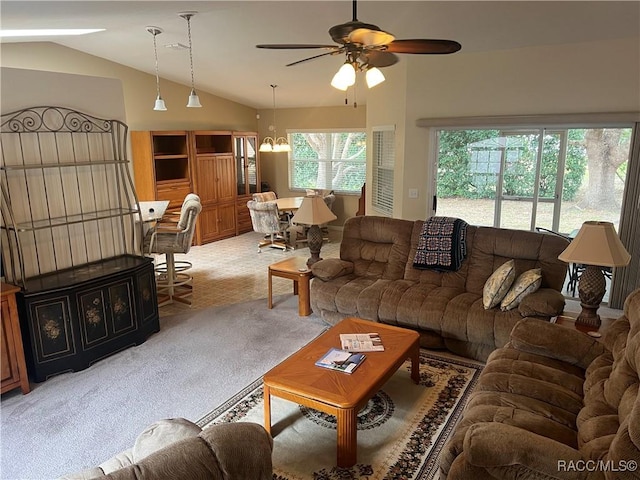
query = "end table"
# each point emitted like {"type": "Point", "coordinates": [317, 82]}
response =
{"type": "Point", "coordinates": [293, 268]}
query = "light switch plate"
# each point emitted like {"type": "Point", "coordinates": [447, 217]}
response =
{"type": "Point", "coordinates": [413, 193]}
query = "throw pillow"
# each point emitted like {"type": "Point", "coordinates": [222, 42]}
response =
{"type": "Point", "coordinates": [525, 284]}
{"type": "Point", "coordinates": [498, 284]}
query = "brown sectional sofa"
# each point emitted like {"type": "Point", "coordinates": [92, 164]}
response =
{"type": "Point", "coordinates": [554, 403]}
{"type": "Point", "coordinates": [176, 448]}
{"type": "Point", "coordinates": [375, 279]}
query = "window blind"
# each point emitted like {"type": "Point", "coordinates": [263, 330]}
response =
{"type": "Point", "coordinates": [383, 159]}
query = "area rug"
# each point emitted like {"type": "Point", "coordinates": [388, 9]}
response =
{"type": "Point", "coordinates": [401, 430]}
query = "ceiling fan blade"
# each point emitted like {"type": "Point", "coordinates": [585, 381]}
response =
{"type": "Point", "coordinates": [370, 37]}
{"type": "Point", "coordinates": [424, 46]}
{"type": "Point", "coordinates": [293, 46]}
{"type": "Point", "coordinates": [377, 58]}
{"type": "Point", "coordinates": [334, 52]}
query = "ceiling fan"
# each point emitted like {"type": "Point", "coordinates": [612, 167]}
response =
{"type": "Point", "coordinates": [367, 48]}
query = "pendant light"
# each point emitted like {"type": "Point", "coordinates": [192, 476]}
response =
{"type": "Point", "coordinates": [274, 144]}
{"type": "Point", "coordinates": [159, 105]}
{"type": "Point", "coordinates": [194, 101]}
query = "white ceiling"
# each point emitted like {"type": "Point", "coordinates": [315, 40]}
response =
{"type": "Point", "coordinates": [225, 33]}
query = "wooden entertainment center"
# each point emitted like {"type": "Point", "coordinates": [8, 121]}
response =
{"type": "Point", "coordinates": [220, 166]}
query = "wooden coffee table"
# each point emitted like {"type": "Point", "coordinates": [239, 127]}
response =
{"type": "Point", "coordinates": [343, 395]}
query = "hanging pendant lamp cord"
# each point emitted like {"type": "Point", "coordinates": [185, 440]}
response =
{"type": "Point", "coordinates": [155, 52]}
{"type": "Point", "coordinates": [190, 50]}
{"type": "Point", "coordinates": [275, 136]}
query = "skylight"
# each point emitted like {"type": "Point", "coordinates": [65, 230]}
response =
{"type": "Point", "coordinates": [48, 32]}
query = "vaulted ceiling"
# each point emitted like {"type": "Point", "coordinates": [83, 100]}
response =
{"type": "Point", "coordinates": [225, 33]}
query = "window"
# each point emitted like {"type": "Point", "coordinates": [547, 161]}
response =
{"type": "Point", "coordinates": [384, 155]}
{"type": "Point", "coordinates": [328, 160]}
{"type": "Point", "coordinates": [553, 178]}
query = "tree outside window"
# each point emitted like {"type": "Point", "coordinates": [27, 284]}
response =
{"type": "Point", "coordinates": [331, 160]}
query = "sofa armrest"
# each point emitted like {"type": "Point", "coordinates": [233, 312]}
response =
{"type": "Point", "coordinates": [330, 268]}
{"type": "Point", "coordinates": [544, 302]}
{"type": "Point", "coordinates": [492, 446]}
{"type": "Point", "coordinates": [555, 341]}
{"type": "Point", "coordinates": [243, 449]}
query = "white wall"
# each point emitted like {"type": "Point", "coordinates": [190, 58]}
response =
{"type": "Point", "coordinates": [575, 78]}
{"type": "Point", "coordinates": [101, 97]}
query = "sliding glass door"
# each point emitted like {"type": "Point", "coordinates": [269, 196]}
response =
{"type": "Point", "coordinates": [554, 178]}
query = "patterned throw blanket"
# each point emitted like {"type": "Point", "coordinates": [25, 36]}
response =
{"type": "Point", "coordinates": [442, 244]}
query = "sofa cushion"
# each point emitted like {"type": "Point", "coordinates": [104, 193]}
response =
{"type": "Point", "coordinates": [331, 268]}
{"type": "Point", "coordinates": [377, 246]}
{"type": "Point", "coordinates": [526, 283]}
{"type": "Point", "coordinates": [494, 246]}
{"type": "Point", "coordinates": [498, 284]}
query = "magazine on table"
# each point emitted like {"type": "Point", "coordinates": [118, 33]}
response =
{"type": "Point", "coordinates": [361, 342]}
{"type": "Point", "coordinates": [336, 359]}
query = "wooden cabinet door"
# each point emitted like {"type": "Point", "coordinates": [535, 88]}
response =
{"type": "Point", "coordinates": [206, 179]}
{"type": "Point", "coordinates": [7, 348]}
{"type": "Point", "coordinates": [227, 219]}
{"type": "Point", "coordinates": [226, 178]}
{"type": "Point", "coordinates": [208, 226]}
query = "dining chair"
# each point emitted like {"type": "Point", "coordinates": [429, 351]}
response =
{"type": "Point", "coordinates": [266, 219]}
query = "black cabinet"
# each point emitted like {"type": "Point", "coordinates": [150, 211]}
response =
{"type": "Point", "coordinates": [77, 316]}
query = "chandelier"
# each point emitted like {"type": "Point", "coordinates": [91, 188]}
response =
{"type": "Point", "coordinates": [274, 144]}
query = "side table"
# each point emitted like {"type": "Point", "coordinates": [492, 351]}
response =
{"type": "Point", "coordinates": [568, 319]}
{"type": "Point", "coordinates": [294, 268]}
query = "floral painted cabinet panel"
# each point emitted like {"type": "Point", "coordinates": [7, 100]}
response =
{"type": "Point", "coordinates": [106, 312]}
{"type": "Point", "coordinates": [76, 324]}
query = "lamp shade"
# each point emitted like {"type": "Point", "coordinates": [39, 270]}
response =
{"type": "Point", "coordinates": [374, 77]}
{"type": "Point", "coordinates": [313, 211]}
{"type": "Point", "coordinates": [345, 77]}
{"type": "Point", "coordinates": [266, 145]}
{"type": "Point", "coordinates": [597, 243]}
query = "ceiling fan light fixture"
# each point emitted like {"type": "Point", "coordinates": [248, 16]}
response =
{"type": "Point", "coordinates": [345, 77]}
{"type": "Point", "coordinates": [366, 36]}
{"type": "Point", "coordinates": [374, 77]}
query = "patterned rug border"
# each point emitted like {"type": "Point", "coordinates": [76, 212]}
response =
{"type": "Point", "coordinates": [427, 470]}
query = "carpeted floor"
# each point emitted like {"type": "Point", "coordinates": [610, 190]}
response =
{"type": "Point", "coordinates": [400, 431]}
{"type": "Point", "coordinates": [198, 360]}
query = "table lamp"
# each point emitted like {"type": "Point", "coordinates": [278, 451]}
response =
{"type": "Point", "coordinates": [597, 245]}
{"type": "Point", "coordinates": [314, 212]}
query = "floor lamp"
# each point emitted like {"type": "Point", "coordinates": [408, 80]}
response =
{"type": "Point", "coordinates": [313, 212]}
{"type": "Point", "coordinates": [597, 245]}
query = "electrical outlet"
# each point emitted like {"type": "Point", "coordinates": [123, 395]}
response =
{"type": "Point", "coordinates": [413, 193]}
